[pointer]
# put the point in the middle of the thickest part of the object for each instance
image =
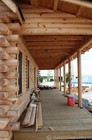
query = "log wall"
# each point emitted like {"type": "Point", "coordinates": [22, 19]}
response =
{"type": "Point", "coordinates": [13, 103]}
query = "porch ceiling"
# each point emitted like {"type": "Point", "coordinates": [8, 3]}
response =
{"type": "Point", "coordinates": [55, 29]}
{"type": "Point", "coordinates": [50, 51]}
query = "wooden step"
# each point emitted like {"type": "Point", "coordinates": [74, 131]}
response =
{"type": "Point", "coordinates": [52, 135]}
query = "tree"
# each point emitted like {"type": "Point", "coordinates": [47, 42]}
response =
{"type": "Point", "coordinates": [40, 79]}
{"type": "Point", "coordinates": [67, 77]}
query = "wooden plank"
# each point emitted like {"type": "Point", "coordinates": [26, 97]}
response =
{"type": "Point", "coordinates": [32, 120]}
{"type": "Point", "coordinates": [28, 116]}
{"type": "Point", "coordinates": [56, 43]}
{"type": "Point", "coordinates": [54, 38]}
{"type": "Point", "coordinates": [62, 47]}
{"type": "Point", "coordinates": [40, 119]}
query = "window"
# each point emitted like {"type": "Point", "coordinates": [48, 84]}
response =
{"type": "Point", "coordinates": [20, 73]}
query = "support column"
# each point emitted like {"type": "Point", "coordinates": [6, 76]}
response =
{"type": "Point", "coordinates": [70, 77]}
{"type": "Point", "coordinates": [79, 79]}
{"type": "Point", "coordinates": [55, 77]}
{"type": "Point", "coordinates": [60, 78]}
{"type": "Point", "coordinates": [64, 74]}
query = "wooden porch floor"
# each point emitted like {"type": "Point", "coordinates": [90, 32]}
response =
{"type": "Point", "coordinates": [67, 122]}
{"type": "Point", "coordinates": [60, 116]}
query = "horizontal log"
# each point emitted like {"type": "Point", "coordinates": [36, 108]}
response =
{"type": "Point", "coordinates": [55, 25]}
{"type": "Point", "coordinates": [9, 114]}
{"type": "Point", "coordinates": [4, 95]}
{"type": "Point", "coordinates": [3, 122]}
{"type": "Point", "coordinates": [10, 50]}
{"type": "Point", "coordinates": [4, 82]}
{"type": "Point", "coordinates": [14, 27]}
{"type": "Point", "coordinates": [4, 42]}
{"type": "Point", "coordinates": [4, 29]}
{"type": "Point", "coordinates": [58, 20]}
{"type": "Point", "coordinates": [12, 38]}
{"type": "Point", "coordinates": [12, 126]}
{"type": "Point", "coordinates": [4, 68]}
{"type": "Point", "coordinates": [4, 19]}
{"type": "Point", "coordinates": [10, 75]}
{"type": "Point", "coordinates": [4, 109]}
{"type": "Point", "coordinates": [4, 55]}
{"type": "Point", "coordinates": [9, 88]}
{"type": "Point", "coordinates": [7, 102]}
{"type": "Point", "coordinates": [9, 62]}
{"type": "Point", "coordinates": [56, 31]}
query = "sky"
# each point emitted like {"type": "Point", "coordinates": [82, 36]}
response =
{"type": "Point", "coordinates": [86, 65]}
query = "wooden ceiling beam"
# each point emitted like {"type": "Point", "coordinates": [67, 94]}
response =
{"type": "Point", "coordinates": [14, 8]}
{"type": "Point", "coordinates": [82, 47]}
{"type": "Point", "coordinates": [57, 31]}
{"type": "Point", "coordinates": [55, 25]}
{"type": "Point", "coordinates": [53, 20]}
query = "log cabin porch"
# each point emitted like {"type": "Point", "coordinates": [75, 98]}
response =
{"type": "Point", "coordinates": [66, 122]}
{"type": "Point", "coordinates": [37, 35]}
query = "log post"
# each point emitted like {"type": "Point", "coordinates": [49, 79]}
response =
{"type": "Point", "coordinates": [70, 75]}
{"type": "Point", "coordinates": [60, 78]}
{"type": "Point", "coordinates": [55, 77]}
{"type": "Point", "coordinates": [64, 74]}
{"type": "Point", "coordinates": [79, 79]}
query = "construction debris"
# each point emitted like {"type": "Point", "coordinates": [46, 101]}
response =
{"type": "Point", "coordinates": [33, 115]}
